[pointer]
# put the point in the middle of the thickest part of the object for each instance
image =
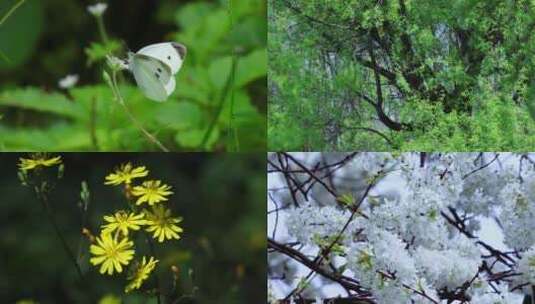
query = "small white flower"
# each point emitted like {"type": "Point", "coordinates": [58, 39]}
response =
{"type": "Point", "coordinates": [68, 81]}
{"type": "Point", "coordinates": [98, 9]}
{"type": "Point", "coordinates": [116, 64]}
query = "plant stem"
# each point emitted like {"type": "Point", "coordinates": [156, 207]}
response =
{"type": "Point", "coordinates": [11, 11]}
{"type": "Point", "coordinates": [119, 98]}
{"type": "Point", "coordinates": [93, 123]}
{"type": "Point", "coordinates": [4, 57]}
{"type": "Point", "coordinates": [156, 278]}
{"type": "Point", "coordinates": [151, 249]}
{"type": "Point", "coordinates": [44, 201]}
{"type": "Point", "coordinates": [228, 87]}
{"type": "Point", "coordinates": [102, 29]}
{"type": "Point", "coordinates": [233, 130]}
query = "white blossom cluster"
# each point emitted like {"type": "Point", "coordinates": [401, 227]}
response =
{"type": "Point", "coordinates": [401, 246]}
{"type": "Point", "coordinates": [308, 224]}
{"type": "Point", "coordinates": [518, 212]}
{"type": "Point", "coordinates": [527, 266]}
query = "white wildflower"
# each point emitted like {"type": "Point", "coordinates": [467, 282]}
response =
{"type": "Point", "coordinates": [308, 224]}
{"type": "Point", "coordinates": [116, 64]}
{"type": "Point", "coordinates": [526, 266]}
{"type": "Point", "coordinates": [68, 81]}
{"type": "Point", "coordinates": [97, 9]}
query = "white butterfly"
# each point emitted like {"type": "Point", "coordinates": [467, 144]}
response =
{"type": "Point", "coordinates": [155, 66]}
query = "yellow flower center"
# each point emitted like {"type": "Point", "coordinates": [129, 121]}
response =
{"type": "Point", "coordinates": [111, 252]}
{"type": "Point", "coordinates": [121, 217]}
{"type": "Point", "coordinates": [152, 190]}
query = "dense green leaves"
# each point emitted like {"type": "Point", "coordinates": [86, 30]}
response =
{"type": "Point", "coordinates": [401, 75]}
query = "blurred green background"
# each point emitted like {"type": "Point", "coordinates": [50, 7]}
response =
{"type": "Point", "coordinates": [43, 41]}
{"type": "Point", "coordinates": [220, 198]}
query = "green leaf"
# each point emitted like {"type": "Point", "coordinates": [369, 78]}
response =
{"type": "Point", "coordinates": [37, 100]}
{"type": "Point", "coordinates": [22, 30]}
{"type": "Point", "coordinates": [242, 8]}
{"type": "Point", "coordinates": [193, 138]}
{"type": "Point", "coordinates": [346, 199]}
{"type": "Point", "coordinates": [98, 51]}
{"type": "Point", "coordinates": [219, 71]}
{"type": "Point", "coordinates": [251, 67]}
{"type": "Point", "coordinates": [59, 137]}
{"type": "Point", "coordinates": [193, 13]}
{"type": "Point", "coordinates": [4, 57]}
{"type": "Point", "coordinates": [181, 116]}
{"type": "Point", "coordinates": [205, 38]}
{"type": "Point", "coordinates": [11, 11]}
{"type": "Point", "coordinates": [194, 84]}
{"type": "Point", "coordinates": [243, 109]}
{"type": "Point", "coordinates": [249, 33]}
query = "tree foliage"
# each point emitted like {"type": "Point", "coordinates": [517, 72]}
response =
{"type": "Point", "coordinates": [401, 74]}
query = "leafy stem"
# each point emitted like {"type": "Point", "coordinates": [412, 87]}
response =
{"type": "Point", "coordinates": [102, 29]}
{"type": "Point", "coordinates": [93, 124]}
{"type": "Point", "coordinates": [151, 247]}
{"type": "Point", "coordinates": [229, 87]}
{"type": "Point", "coordinates": [43, 198]}
{"type": "Point", "coordinates": [232, 128]}
{"type": "Point", "coordinates": [11, 11]}
{"type": "Point", "coordinates": [120, 100]}
{"type": "Point", "coordinates": [153, 253]}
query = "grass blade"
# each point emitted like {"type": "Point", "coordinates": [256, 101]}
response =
{"type": "Point", "coordinates": [11, 11]}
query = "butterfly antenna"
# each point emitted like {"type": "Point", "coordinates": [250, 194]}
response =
{"type": "Point", "coordinates": [126, 60]}
{"type": "Point", "coordinates": [125, 46]}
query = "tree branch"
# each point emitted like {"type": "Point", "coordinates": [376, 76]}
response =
{"type": "Point", "coordinates": [301, 258]}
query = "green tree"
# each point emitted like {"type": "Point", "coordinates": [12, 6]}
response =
{"type": "Point", "coordinates": [401, 74]}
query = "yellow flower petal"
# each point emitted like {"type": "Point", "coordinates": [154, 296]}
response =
{"type": "Point", "coordinates": [125, 174]}
{"type": "Point", "coordinates": [111, 253]}
{"type": "Point", "coordinates": [123, 221]}
{"type": "Point", "coordinates": [38, 160]}
{"type": "Point", "coordinates": [152, 191]}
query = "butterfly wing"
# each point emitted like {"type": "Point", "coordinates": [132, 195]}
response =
{"type": "Point", "coordinates": [170, 86]}
{"type": "Point", "coordinates": [152, 76]}
{"type": "Point", "coordinates": [170, 53]}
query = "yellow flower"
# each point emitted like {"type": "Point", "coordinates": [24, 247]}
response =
{"type": "Point", "coordinates": [160, 222]}
{"type": "Point", "coordinates": [123, 221]}
{"type": "Point", "coordinates": [125, 173]}
{"type": "Point", "coordinates": [38, 160]}
{"type": "Point", "coordinates": [140, 274]}
{"type": "Point", "coordinates": [111, 253]}
{"type": "Point", "coordinates": [152, 191]}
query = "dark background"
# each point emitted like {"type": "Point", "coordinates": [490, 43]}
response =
{"type": "Point", "coordinates": [65, 28]}
{"type": "Point", "coordinates": [219, 196]}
